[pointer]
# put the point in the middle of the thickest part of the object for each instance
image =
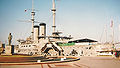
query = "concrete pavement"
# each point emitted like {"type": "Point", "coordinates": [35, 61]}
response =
{"type": "Point", "coordinates": [84, 62]}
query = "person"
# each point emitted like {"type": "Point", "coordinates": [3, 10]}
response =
{"type": "Point", "coordinates": [115, 54]}
{"type": "Point", "coordinates": [112, 52]}
{"type": "Point", "coordinates": [9, 39]}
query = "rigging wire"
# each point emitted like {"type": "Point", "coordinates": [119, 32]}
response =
{"type": "Point", "coordinates": [102, 35]}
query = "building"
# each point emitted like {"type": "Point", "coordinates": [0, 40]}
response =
{"type": "Point", "coordinates": [80, 47]}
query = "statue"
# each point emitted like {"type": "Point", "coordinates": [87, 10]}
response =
{"type": "Point", "coordinates": [9, 39]}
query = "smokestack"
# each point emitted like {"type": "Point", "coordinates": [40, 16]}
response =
{"type": "Point", "coordinates": [36, 33]}
{"type": "Point", "coordinates": [42, 29]}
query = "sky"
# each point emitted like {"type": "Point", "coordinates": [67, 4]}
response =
{"type": "Point", "coordinates": [78, 18]}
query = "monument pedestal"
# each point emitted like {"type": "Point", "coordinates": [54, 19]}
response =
{"type": "Point", "coordinates": [8, 50]}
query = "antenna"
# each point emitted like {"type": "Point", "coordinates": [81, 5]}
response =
{"type": "Point", "coordinates": [54, 14]}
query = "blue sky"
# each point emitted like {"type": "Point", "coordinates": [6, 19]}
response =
{"type": "Point", "coordinates": [79, 18]}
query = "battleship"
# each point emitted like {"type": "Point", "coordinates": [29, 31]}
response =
{"type": "Point", "coordinates": [39, 43]}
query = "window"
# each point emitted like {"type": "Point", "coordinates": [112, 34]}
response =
{"type": "Point", "coordinates": [86, 47]}
{"type": "Point", "coordinates": [90, 47]}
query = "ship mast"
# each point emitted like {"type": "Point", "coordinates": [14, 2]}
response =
{"type": "Point", "coordinates": [32, 19]}
{"type": "Point", "coordinates": [112, 26]}
{"type": "Point", "coordinates": [54, 14]}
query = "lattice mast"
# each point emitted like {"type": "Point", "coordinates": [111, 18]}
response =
{"type": "Point", "coordinates": [33, 20]}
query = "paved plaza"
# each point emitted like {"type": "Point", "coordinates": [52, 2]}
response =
{"type": "Point", "coordinates": [84, 62]}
